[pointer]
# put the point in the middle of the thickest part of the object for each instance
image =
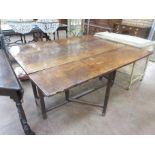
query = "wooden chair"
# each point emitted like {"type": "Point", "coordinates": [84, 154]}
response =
{"type": "Point", "coordinates": [10, 86]}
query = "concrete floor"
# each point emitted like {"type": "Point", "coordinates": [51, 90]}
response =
{"type": "Point", "coordinates": [129, 112]}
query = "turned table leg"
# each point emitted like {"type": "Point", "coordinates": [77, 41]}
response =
{"type": "Point", "coordinates": [18, 99]}
{"type": "Point", "coordinates": [23, 120]}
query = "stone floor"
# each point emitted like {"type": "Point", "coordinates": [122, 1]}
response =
{"type": "Point", "coordinates": [129, 112]}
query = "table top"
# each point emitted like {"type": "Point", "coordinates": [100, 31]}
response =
{"type": "Point", "coordinates": [42, 55]}
{"type": "Point", "coordinates": [61, 77]}
{"type": "Point", "coordinates": [7, 77]}
{"type": "Point", "coordinates": [59, 65]}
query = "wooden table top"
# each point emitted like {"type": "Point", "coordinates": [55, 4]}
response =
{"type": "Point", "coordinates": [61, 77]}
{"type": "Point", "coordinates": [59, 65]}
{"type": "Point", "coordinates": [42, 55]}
{"type": "Point", "coordinates": [7, 77]}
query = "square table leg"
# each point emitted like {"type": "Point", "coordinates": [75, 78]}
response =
{"type": "Point", "coordinates": [107, 93]}
{"type": "Point", "coordinates": [36, 96]}
{"type": "Point", "coordinates": [42, 104]}
{"type": "Point", "coordinates": [113, 77]}
{"type": "Point", "coordinates": [110, 82]}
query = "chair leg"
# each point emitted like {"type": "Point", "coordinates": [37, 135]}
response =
{"type": "Point", "coordinates": [21, 38]}
{"type": "Point", "coordinates": [113, 78]}
{"type": "Point", "coordinates": [57, 34]}
{"type": "Point", "coordinates": [24, 38]}
{"type": "Point", "coordinates": [54, 35]}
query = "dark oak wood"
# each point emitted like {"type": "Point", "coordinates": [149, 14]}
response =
{"type": "Point", "coordinates": [42, 104]}
{"type": "Point", "coordinates": [39, 56]}
{"type": "Point", "coordinates": [7, 78]}
{"type": "Point", "coordinates": [107, 94]}
{"type": "Point", "coordinates": [57, 66]}
{"type": "Point", "coordinates": [9, 86]}
{"type": "Point", "coordinates": [65, 76]}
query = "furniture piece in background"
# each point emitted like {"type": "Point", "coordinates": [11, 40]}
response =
{"type": "Point", "coordinates": [136, 70]}
{"type": "Point", "coordinates": [8, 32]}
{"type": "Point", "coordinates": [138, 31]}
{"type": "Point", "coordinates": [152, 31]}
{"type": "Point", "coordinates": [130, 74]}
{"type": "Point", "coordinates": [39, 28]}
{"type": "Point", "coordinates": [75, 27]}
{"type": "Point", "coordinates": [91, 26]}
{"type": "Point", "coordinates": [10, 86]}
{"type": "Point", "coordinates": [139, 28]}
{"type": "Point", "coordinates": [83, 59]}
{"type": "Point", "coordinates": [48, 26]}
{"type": "Point", "coordinates": [152, 37]}
{"type": "Point", "coordinates": [62, 27]}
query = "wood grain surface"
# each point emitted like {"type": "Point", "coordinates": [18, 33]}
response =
{"type": "Point", "coordinates": [59, 78]}
{"type": "Point", "coordinates": [42, 55]}
{"type": "Point", "coordinates": [58, 65]}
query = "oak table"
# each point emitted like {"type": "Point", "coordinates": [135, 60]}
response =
{"type": "Point", "coordinates": [57, 66]}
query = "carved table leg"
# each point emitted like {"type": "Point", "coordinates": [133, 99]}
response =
{"type": "Point", "coordinates": [23, 120]}
{"type": "Point", "coordinates": [17, 97]}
